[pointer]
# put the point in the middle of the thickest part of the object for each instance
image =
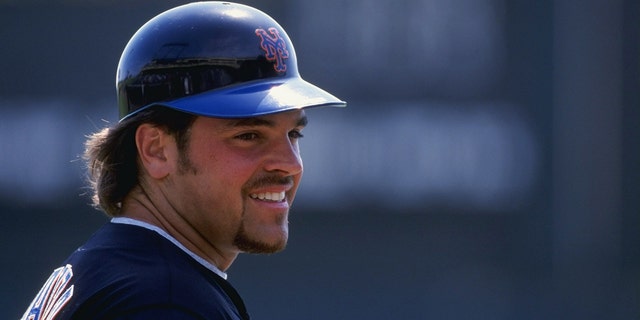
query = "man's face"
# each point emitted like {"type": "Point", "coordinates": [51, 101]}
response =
{"type": "Point", "coordinates": [238, 179]}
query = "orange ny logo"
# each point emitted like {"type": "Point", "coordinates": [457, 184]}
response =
{"type": "Point", "coordinates": [274, 47]}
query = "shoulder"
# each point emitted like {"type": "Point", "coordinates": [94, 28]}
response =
{"type": "Point", "coordinates": [124, 269]}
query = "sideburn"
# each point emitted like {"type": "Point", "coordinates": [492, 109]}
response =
{"type": "Point", "coordinates": [185, 165]}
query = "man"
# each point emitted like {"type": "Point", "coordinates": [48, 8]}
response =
{"type": "Point", "coordinates": [204, 164]}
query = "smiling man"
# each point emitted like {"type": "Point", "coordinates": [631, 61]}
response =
{"type": "Point", "coordinates": [203, 165]}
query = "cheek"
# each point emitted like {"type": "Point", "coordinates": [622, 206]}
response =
{"type": "Point", "coordinates": [219, 183]}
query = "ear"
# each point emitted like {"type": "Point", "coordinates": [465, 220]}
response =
{"type": "Point", "coordinates": [156, 150]}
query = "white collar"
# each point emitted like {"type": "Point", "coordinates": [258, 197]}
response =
{"type": "Point", "coordinates": [134, 222]}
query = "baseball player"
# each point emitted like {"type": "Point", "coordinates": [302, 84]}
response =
{"type": "Point", "coordinates": [204, 164]}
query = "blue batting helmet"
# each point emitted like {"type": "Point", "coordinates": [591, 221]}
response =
{"type": "Point", "coordinates": [215, 59]}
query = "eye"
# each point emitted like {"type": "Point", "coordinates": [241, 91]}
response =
{"type": "Point", "coordinates": [248, 136]}
{"type": "Point", "coordinates": [295, 134]}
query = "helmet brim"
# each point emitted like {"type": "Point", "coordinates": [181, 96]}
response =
{"type": "Point", "coordinates": [253, 99]}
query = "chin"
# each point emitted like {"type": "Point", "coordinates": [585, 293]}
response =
{"type": "Point", "coordinates": [249, 243]}
{"type": "Point", "coordinates": [260, 247]}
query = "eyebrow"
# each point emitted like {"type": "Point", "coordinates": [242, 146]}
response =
{"type": "Point", "coordinates": [262, 122]}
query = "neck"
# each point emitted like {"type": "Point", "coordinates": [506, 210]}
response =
{"type": "Point", "coordinates": [139, 205]}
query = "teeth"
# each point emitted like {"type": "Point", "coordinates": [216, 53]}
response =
{"type": "Point", "coordinates": [269, 196]}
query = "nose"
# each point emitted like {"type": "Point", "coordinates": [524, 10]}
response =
{"type": "Point", "coordinates": [284, 157]}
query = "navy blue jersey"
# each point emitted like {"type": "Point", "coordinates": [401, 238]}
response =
{"type": "Point", "coordinates": [129, 272]}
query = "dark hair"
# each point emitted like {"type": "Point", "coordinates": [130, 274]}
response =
{"type": "Point", "coordinates": [112, 156]}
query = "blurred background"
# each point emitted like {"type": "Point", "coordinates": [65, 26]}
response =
{"type": "Point", "coordinates": [487, 167]}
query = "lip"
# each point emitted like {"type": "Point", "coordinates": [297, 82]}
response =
{"type": "Point", "coordinates": [284, 204]}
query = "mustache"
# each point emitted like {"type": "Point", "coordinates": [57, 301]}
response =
{"type": "Point", "coordinates": [269, 180]}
